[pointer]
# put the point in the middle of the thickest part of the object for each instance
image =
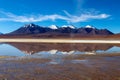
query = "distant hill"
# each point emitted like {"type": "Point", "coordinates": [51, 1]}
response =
{"type": "Point", "coordinates": [54, 30]}
{"type": "Point", "coordinates": [1, 33]}
{"type": "Point", "coordinates": [118, 33]}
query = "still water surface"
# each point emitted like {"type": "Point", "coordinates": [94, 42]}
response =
{"type": "Point", "coordinates": [59, 61]}
{"type": "Point", "coordinates": [45, 50]}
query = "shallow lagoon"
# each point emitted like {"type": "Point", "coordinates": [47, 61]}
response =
{"type": "Point", "coordinates": [31, 49]}
{"type": "Point", "coordinates": [28, 61]}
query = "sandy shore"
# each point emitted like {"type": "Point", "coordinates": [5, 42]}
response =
{"type": "Point", "coordinates": [60, 41]}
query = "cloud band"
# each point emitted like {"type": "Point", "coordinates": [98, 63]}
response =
{"type": "Point", "coordinates": [53, 17]}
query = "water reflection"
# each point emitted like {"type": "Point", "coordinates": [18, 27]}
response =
{"type": "Point", "coordinates": [34, 48]}
{"type": "Point", "coordinates": [8, 50]}
{"type": "Point", "coordinates": [60, 60]}
{"type": "Point", "coordinates": [22, 49]}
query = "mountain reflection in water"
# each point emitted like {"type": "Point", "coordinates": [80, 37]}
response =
{"type": "Point", "coordinates": [32, 48]}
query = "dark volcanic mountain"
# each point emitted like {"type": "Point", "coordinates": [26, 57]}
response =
{"type": "Point", "coordinates": [94, 31]}
{"type": "Point", "coordinates": [31, 29]}
{"type": "Point", "coordinates": [35, 29]}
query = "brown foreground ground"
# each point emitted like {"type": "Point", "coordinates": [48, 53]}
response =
{"type": "Point", "coordinates": [80, 67]}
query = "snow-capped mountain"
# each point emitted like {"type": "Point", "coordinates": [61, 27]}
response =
{"type": "Point", "coordinates": [31, 25]}
{"type": "Point", "coordinates": [89, 26]}
{"type": "Point", "coordinates": [53, 27]}
{"type": "Point", "coordinates": [30, 29]}
{"type": "Point", "coordinates": [68, 26]}
{"type": "Point", "coordinates": [68, 29]}
{"type": "Point", "coordinates": [71, 26]}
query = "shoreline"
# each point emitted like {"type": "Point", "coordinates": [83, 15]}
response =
{"type": "Point", "coordinates": [59, 41]}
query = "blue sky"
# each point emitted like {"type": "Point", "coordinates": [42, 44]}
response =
{"type": "Point", "coordinates": [99, 13]}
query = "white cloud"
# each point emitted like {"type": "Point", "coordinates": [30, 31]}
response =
{"type": "Point", "coordinates": [86, 17]}
{"type": "Point", "coordinates": [68, 18]}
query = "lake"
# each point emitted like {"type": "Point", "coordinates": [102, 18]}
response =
{"type": "Point", "coordinates": [31, 49]}
{"type": "Point", "coordinates": [40, 61]}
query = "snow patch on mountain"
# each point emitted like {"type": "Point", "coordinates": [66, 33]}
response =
{"type": "Point", "coordinates": [70, 26]}
{"type": "Point", "coordinates": [53, 27]}
{"type": "Point", "coordinates": [30, 25]}
{"type": "Point", "coordinates": [89, 26]}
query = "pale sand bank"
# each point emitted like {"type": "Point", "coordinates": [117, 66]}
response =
{"type": "Point", "coordinates": [60, 41]}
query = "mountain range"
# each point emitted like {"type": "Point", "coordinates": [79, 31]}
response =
{"type": "Point", "coordinates": [65, 29]}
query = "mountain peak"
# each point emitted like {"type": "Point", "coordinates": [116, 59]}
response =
{"type": "Point", "coordinates": [70, 26]}
{"type": "Point", "coordinates": [53, 27]}
{"type": "Point", "coordinates": [89, 26]}
{"type": "Point", "coordinates": [30, 25]}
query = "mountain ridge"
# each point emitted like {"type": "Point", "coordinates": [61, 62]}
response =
{"type": "Point", "coordinates": [68, 29]}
